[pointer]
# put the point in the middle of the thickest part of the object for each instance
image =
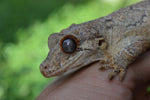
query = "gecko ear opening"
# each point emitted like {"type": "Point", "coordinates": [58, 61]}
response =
{"type": "Point", "coordinates": [102, 43]}
{"type": "Point", "coordinates": [53, 40]}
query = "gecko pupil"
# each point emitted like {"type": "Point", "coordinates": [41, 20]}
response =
{"type": "Point", "coordinates": [69, 45]}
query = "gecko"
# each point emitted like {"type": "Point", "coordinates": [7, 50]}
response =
{"type": "Point", "coordinates": [115, 40]}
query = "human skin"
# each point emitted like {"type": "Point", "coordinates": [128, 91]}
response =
{"type": "Point", "coordinates": [90, 83]}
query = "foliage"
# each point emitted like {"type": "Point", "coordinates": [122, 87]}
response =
{"type": "Point", "coordinates": [25, 27]}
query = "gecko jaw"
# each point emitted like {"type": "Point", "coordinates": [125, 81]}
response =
{"type": "Point", "coordinates": [49, 73]}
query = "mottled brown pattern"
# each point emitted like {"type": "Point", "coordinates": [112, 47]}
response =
{"type": "Point", "coordinates": [124, 35]}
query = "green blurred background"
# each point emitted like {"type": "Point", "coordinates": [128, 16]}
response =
{"type": "Point", "coordinates": [24, 29]}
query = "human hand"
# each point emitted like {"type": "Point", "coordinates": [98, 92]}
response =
{"type": "Point", "coordinates": [89, 83]}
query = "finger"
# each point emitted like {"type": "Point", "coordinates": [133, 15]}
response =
{"type": "Point", "coordinates": [141, 67]}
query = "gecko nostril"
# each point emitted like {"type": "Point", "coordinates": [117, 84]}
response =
{"type": "Point", "coordinates": [45, 67]}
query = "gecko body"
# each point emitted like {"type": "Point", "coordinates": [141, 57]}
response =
{"type": "Point", "coordinates": [115, 41]}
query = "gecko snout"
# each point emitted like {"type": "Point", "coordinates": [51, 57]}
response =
{"type": "Point", "coordinates": [46, 71]}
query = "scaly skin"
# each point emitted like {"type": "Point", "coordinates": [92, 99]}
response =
{"type": "Point", "coordinates": [115, 40]}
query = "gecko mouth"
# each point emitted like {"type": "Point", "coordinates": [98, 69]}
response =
{"type": "Point", "coordinates": [49, 73]}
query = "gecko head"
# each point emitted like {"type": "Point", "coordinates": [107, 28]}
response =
{"type": "Point", "coordinates": [72, 48]}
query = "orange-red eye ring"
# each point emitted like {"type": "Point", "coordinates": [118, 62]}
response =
{"type": "Point", "coordinates": [67, 37]}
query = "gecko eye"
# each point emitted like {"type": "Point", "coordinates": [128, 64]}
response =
{"type": "Point", "coordinates": [69, 44]}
